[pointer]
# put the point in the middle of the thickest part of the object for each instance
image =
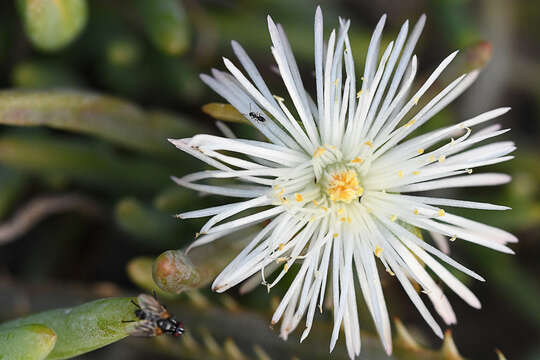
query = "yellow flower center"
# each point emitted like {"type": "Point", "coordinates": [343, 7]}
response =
{"type": "Point", "coordinates": [344, 187]}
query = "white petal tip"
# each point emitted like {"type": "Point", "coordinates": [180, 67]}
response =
{"type": "Point", "coordinates": [332, 345]}
{"type": "Point", "coordinates": [506, 250]}
{"type": "Point", "coordinates": [388, 349]}
{"type": "Point", "coordinates": [219, 288]}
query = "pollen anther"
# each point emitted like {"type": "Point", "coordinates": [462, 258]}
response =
{"type": "Point", "coordinates": [410, 123]}
{"type": "Point", "coordinates": [344, 187]}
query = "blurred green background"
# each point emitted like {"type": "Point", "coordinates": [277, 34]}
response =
{"type": "Point", "coordinates": [91, 90]}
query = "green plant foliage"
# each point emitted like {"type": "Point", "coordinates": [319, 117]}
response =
{"type": "Point", "coordinates": [83, 328]}
{"type": "Point", "coordinates": [151, 226]}
{"type": "Point", "coordinates": [82, 161]}
{"type": "Point", "coordinates": [52, 24]}
{"type": "Point", "coordinates": [92, 90]}
{"type": "Point", "coordinates": [43, 75]}
{"type": "Point", "coordinates": [110, 118]}
{"type": "Point", "coordinates": [11, 185]}
{"type": "Point", "coordinates": [26, 342]}
{"type": "Point", "coordinates": [166, 24]}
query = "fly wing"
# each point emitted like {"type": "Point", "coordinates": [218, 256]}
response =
{"type": "Point", "coordinates": [152, 307]}
{"type": "Point", "coordinates": [145, 328]}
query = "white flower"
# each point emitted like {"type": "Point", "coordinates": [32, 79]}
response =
{"type": "Point", "coordinates": [331, 183]}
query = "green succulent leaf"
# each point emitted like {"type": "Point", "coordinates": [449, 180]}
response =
{"type": "Point", "coordinates": [85, 161]}
{"type": "Point", "coordinates": [166, 24]}
{"type": "Point", "coordinates": [26, 342]}
{"type": "Point", "coordinates": [80, 329]}
{"type": "Point", "coordinates": [106, 117]}
{"type": "Point", "coordinates": [53, 24]}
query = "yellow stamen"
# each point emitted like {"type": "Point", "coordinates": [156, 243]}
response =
{"type": "Point", "coordinates": [416, 100]}
{"type": "Point", "coordinates": [420, 151]}
{"type": "Point", "coordinates": [416, 211]}
{"type": "Point", "coordinates": [441, 212]}
{"type": "Point", "coordinates": [416, 172]}
{"type": "Point", "coordinates": [400, 173]}
{"type": "Point", "coordinates": [410, 123]}
{"type": "Point", "coordinates": [324, 208]}
{"type": "Point", "coordinates": [369, 143]}
{"type": "Point", "coordinates": [393, 218]}
{"type": "Point", "coordinates": [335, 235]}
{"type": "Point", "coordinates": [344, 187]}
{"type": "Point", "coordinates": [390, 272]}
{"type": "Point", "coordinates": [431, 158]}
{"type": "Point", "coordinates": [358, 94]}
{"type": "Point", "coordinates": [442, 158]}
{"type": "Point", "coordinates": [357, 160]}
{"type": "Point", "coordinates": [341, 211]}
{"type": "Point", "coordinates": [319, 152]}
{"type": "Point", "coordinates": [453, 238]}
{"type": "Point", "coordinates": [348, 219]}
{"type": "Point", "coordinates": [281, 246]}
{"type": "Point", "coordinates": [298, 197]}
{"type": "Point", "coordinates": [286, 267]}
{"type": "Point", "coordinates": [315, 203]}
{"type": "Point", "coordinates": [342, 219]}
{"type": "Point", "coordinates": [378, 251]}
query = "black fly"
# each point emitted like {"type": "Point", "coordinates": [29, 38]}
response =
{"type": "Point", "coordinates": [154, 319]}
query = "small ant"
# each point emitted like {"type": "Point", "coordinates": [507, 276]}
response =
{"type": "Point", "coordinates": [255, 116]}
